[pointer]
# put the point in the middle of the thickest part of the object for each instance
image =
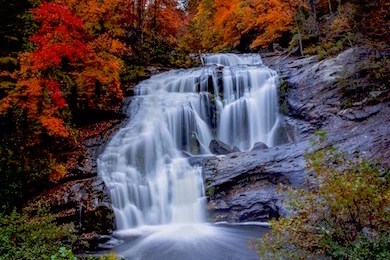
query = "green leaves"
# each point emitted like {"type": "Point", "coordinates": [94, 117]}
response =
{"type": "Point", "coordinates": [23, 236]}
{"type": "Point", "coordinates": [344, 214]}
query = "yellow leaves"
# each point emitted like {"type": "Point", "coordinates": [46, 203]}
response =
{"type": "Point", "coordinates": [347, 200]}
{"type": "Point", "coordinates": [58, 172]}
{"type": "Point", "coordinates": [106, 44]}
{"type": "Point", "coordinates": [54, 126]}
{"type": "Point", "coordinates": [99, 82]}
{"type": "Point", "coordinates": [30, 94]}
{"type": "Point", "coordinates": [25, 61]}
{"type": "Point", "coordinates": [102, 15]}
{"type": "Point", "coordinates": [117, 47]}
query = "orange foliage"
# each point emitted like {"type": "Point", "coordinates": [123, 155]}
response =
{"type": "Point", "coordinates": [224, 10]}
{"type": "Point", "coordinates": [98, 83]}
{"type": "Point", "coordinates": [54, 126]}
{"type": "Point", "coordinates": [226, 20]}
{"type": "Point", "coordinates": [271, 18]}
{"type": "Point", "coordinates": [170, 20]}
{"type": "Point", "coordinates": [221, 24]}
{"type": "Point", "coordinates": [63, 47]}
{"type": "Point", "coordinates": [103, 16]}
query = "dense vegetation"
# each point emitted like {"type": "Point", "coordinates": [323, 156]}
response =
{"type": "Point", "coordinates": [27, 236]}
{"type": "Point", "coordinates": [63, 59]}
{"type": "Point", "coordinates": [343, 215]}
{"type": "Point", "coordinates": [314, 26]}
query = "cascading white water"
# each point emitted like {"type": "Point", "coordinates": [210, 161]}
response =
{"type": "Point", "coordinates": [249, 113]}
{"type": "Point", "coordinates": [175, 115]}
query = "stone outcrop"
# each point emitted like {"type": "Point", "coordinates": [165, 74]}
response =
{"type": "Point", "coordinates": [244, 186]}
{"type": "Point", "coordinates": [86, 203]}
{"type": "Point", "coordinates": [82, 197]}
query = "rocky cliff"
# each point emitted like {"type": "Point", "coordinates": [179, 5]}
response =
{"type": "Point", "coordinates": [243, 186]}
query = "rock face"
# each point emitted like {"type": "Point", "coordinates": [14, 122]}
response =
{"type": "Point", "coordinates": [244, 186]}
{"type": "Point", "coordinates": [84, 202]}
{"type": "Point", "coordinates": [81, 197]}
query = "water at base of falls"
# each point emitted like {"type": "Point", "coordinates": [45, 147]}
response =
{"type": "Point", "coordinates": [175, 115]}
{"type": "Point", "coordinates": [190, 242]}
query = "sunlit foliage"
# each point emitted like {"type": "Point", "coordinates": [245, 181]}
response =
{"type": "Point", "coordinates": [314, 26]}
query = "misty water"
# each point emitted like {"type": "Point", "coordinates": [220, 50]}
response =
{"type": "Point", "coordinates": [157, 195]}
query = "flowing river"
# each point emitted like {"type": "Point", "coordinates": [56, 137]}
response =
{"type": "Point", "coordinates": [157, 194]}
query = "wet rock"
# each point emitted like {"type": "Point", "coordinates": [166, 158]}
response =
{"type": "Point", "coordinates": [82, 197]}
{"type": "Point", "coordinates": [259, 146]}
{"type": "Point", "coordinates": [86, 203]}
{"type": "Point", "coordinates": [196, 160]}
{"type": "Point", "coordinates": [243, 186]}
{"type": "Point", "coordinates": [101, 219]}
{"type": "Point", "coordinates": [81, 161]}
{"type": "Point", "coordinates": [219, 147]}
{"type": "Point", "coordinates": [246, 183]}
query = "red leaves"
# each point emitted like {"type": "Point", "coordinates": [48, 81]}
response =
{"type": "Point", "coordinates": [52, 55]}
{"type": "Point", "coordinates": [66, 57]}
{"type": "Point", "coordinates": [59, 41]}
{"type": "Point", "coordinates": [50, 14]}
{"type": "Point", "coordinates": [55, 93]}
{"type": "Point", "coordinates": [61, 35]}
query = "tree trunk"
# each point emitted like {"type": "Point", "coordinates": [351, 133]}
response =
{"type": "Point", "coordinates": [330, 7]}
{"type": "Point", "coordinates": [140, 25]}
{"type": "Point", "coordinates": [300, 41]}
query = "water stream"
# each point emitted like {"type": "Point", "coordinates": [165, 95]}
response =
{"type": "Point", "coordinates": [157, 196]}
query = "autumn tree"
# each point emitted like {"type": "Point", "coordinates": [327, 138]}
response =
{"type": "Point", "coordinates": [66, 70]}
{"type": "Point", "coordinates": [163, 21]}
{"type": "Point", "coordinates": [323, 27]}
{"type": "Point", "coordinates": [226, 20]}
{"type": "Point", "coordinates": [58, 43]}
{"type": "Point", "coordinates": [221, 24]}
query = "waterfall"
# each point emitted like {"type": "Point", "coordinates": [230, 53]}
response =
{"type": "Point", "coordinates": [175, 115]}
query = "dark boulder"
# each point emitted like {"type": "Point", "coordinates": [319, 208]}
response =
{"type": "Point", "coordinates": [219, 147]}
{"type": "Point", "coordinates": [259, 146]}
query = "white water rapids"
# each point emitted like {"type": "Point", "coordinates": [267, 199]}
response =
{"type": "Point", "coordinates": [173, 116]}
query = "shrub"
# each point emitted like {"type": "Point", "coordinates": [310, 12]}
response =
{"type": "Point", "coordinates": [23, 236]}
{"type": "Point", "coordinates": [344, 214]}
